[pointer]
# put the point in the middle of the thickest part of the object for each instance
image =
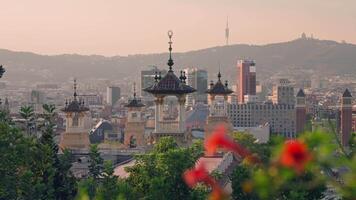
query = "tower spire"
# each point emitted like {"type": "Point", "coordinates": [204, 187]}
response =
{"type": "Point", "coordinates": [75, 89]}
{"type": "Point", "coordinates": [227, 31]}
{"type": "Point", "coordinates": [170, 61]}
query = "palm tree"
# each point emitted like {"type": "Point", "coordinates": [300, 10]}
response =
{"type": "Point", "coordinates": [27, 113]}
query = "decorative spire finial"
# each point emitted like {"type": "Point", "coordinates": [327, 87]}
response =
{"type": "Point", "coordinates": [219, 75]}
{"type": "Point", "coordinates": [75, 89]}
{"type": "Point", "coordinates": [2, 70]}
{"type": "Point", "coordinates": [170, 61]}
{"type": "Point", "coordinates": [134, 90]}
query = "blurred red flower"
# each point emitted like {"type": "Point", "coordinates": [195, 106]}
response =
{"type": "Point", "coordinates": [295, 155]}
{"type": "Point", "coordinates": [219, 139]}
{"type": "Point", "coordinates": [199, 174]}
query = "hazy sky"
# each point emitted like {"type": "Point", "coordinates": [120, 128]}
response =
{"type": "Point", "coordinates": [121, 27]}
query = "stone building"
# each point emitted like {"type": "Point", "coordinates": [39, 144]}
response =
{"type": "Point", "coordinates": [135, 124]}
{"type": "Point", "coordinates": [346, 117]}
{"type": "Point", "coordinates": [76, 135]}
{"type": "Point", "coordinates": [218, 106]}
{"type": "Point", "coordinates": [164, 89]}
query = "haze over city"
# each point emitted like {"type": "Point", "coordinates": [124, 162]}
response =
{"type": "Point", "coordinates": [118, 27]}
{"type": "Point", "coordinates": [177, 99]}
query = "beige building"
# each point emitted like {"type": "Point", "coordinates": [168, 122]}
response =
{"type": "Point", "coordinates": [283, 93]}
{"type": "Point", "coordinates": [281, 117]}
{"type": "Point", "coordinates": [76, 135]}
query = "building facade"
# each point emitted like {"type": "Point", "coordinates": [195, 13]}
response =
{"type": "Point", "coordinates": [283, 93]}
{"type": "Point", "coordinates": [164, 89]}
{"type": "Point", "coordinates": [113, 94]}
{"type": "Point", "coordinates": [346, 117]}
{"type": "Point", "coordinates": [246, 79]}
{"type": "Point", "coordinates": [281, 117]}
{"type": "Point", "coordinates": [197, 79]}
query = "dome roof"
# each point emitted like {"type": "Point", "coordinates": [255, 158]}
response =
{"type": "Point", "coordinates": [75, 106]}
{"type": "Point", "coordinates": [219, 88]}
{"type": "Point", "coordinates": [346, 93]}
{"type": "Point", "coordinates": [170, 84]}
{"type": "Point", "coordinates": [300, 93]}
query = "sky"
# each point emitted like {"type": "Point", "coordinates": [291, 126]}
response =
{"type": "Point", "coordinates": [124, 27]}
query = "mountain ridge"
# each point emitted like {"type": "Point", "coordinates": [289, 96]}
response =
{"type": "Point", "coordinates": [326, 55]}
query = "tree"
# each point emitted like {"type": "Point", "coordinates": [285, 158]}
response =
{"type": "Point", "coordinates": [28, 114]}
{"type": "Point", "coordinates": [158, 175]}
{"type": "Point", "coordinates": [108, 189]}
{"type": "Point", "coordinates": [95, 162]}
{"type": "Point", "coordinates": [239, 183]}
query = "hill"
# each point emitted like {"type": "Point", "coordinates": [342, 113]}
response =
{"type": "Point", "coordinates": [321, 55]}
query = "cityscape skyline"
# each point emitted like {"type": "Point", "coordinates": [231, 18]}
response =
{"type": "Point", "coordinates": [72, 27]}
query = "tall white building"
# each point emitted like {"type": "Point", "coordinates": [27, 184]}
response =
{"type": "Point", "coordinates": [198, 79]}
{"type": "Point", "coordinates": [112, 95]}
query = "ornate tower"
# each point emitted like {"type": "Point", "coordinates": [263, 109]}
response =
{"type": "Point", "coordinates": [135, 124]}
{"type": "Point", "coordinates": [164, 88]}
{"type": "Point", "coordinates": [301, 116]}
{"type": "Point", "coordinates": [346, 117]}
{"type": "Point", "coordinates": [217, 100]}
{"type": "Point", "coordinates": [76, 135]}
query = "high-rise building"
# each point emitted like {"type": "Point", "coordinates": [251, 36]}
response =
{"type": "Point", "coordinates": [197, 79]}
{"type": "Point", "coordinates": [280, 117]}
{"type": "Point", "coordinates": [147, 79]}
{"type": "Point", "coordinates": [284, 116]}
{"type": "Point", "coordinates": [112, 95]}
{"type": "Point", "coordinates": [346, 117]}
{"type": "Point", "coordinates": [283, 93]}
{"type": "Point", "coordinates": [246, 79]}
{"type": "Point", "coordinates": [301, 112]}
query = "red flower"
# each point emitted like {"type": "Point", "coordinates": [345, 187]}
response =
{"type": "Point", "coordinates": [220, 139]}
{"type": "Point", "coordinates": [295, 155]}
{"type": "Point", "coordinates": [199, 174]}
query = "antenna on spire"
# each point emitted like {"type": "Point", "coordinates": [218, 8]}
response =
{"type": "Point", "coordinates": [170, 61]}
{"type": "Point", "coordinates": [227, 31]}
{"type": "Point", "coordinates": [134, 88]}
{"type": "Point", "coordinates": [75, 89]}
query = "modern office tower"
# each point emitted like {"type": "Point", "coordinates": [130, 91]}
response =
{"type": "Point", "coordinates": [283, 93]}
{"type": "Point", "coordinates": [280, 117]}
{"type": "Point", "coordinates": [197, 79]}
{"type": "Point", "coordinates": [162, 88]}
{"type": "Point", "coordinates": [301, 112]}
{"type": "Point", "coordinates": [246, 79]}
{"type": "Point", "coordinates": [218, 106]}
{"type": "Point", "coordinates": [346, 117]}
{"type": "Point", "coordinates": [112, 95]}
{"type": "Point", "coordinates": [37, 97]}
{"type": "Point", "coordinates": [147, 79]}
{"type": "Point", "coordinates": [76, 135]}
{"type": "Point", "coordinates": [135, 124]}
